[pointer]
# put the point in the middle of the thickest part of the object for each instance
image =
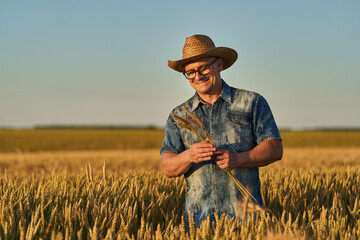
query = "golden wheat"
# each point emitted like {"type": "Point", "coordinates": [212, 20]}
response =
{"type": "Point", "coordinates": [313, 194]}
{"type": "Point", "coordinates": [147, 205]}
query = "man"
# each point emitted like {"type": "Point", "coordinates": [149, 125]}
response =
{"type": "Point", "coordinates": [240, 123]}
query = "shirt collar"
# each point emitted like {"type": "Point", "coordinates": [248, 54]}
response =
{"type": "Point", "coordinates": [225, 94]}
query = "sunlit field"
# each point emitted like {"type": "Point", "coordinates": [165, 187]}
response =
{"type": "Point", "coordinates": [30, 140]}
{"type": "Point", "coordinates": [50, 190]}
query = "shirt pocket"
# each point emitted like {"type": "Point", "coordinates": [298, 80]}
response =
{"type": "Point", "coordinates": [239, 128]}
{"type": "Point", "coordinates": [239, 118]}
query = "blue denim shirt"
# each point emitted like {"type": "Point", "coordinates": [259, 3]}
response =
{"type": "Point", "coordinates": [238, 121]}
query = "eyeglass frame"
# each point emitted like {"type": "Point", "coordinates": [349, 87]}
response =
{"type": "Point", "coordinates": [208, 66]}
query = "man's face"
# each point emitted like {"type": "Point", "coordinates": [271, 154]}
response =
{"type": "Point", "coordinates": [209, 83]}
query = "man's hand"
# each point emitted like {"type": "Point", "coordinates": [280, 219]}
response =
{"type": "Point", "coordinates": [268, 151]}
{"type": "Point", "coordinates": [176, 164]}
{"type": "Point", "coordinates": [225, 159]}
{"type": "Point", "coordinates": [200, 152]}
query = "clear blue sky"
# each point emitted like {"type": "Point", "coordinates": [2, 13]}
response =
{"type": "Point", "coordinates": [105, 62]}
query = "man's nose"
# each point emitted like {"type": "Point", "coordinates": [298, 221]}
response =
{"type": "Point", "coordinates": [198, 75]}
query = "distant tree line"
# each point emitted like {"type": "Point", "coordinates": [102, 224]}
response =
{"type": "Point", "coordinates": [121, 127]}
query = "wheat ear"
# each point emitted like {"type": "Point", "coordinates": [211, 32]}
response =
{"type": "Point", "coordinates": [200, 125]}
{"type": "Point", "coordinates": [185, 124]}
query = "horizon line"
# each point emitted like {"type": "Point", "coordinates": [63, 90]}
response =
{"type": "Point", "coordinates": [157, 127]}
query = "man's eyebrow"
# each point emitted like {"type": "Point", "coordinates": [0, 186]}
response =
{"type": "Point", "coordinates": [193, 69]}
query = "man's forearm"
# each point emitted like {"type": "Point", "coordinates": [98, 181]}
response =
{"type": "Point", "coordinates": [263, 154]}
{"type": "Point", "coordinates": [175, 164]}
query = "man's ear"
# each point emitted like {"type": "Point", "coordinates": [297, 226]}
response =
{"type": "Point", "coordinates": [220, 63]}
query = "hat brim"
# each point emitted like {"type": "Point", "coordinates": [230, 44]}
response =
{"type": "Point", "coordinates": [228, 55]}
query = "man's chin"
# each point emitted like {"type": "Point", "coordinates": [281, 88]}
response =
{"type": "Point", "coordinates": [203, 90]}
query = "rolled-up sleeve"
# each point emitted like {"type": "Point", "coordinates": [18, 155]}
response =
{"type": "Point", "coordinates": [172, 141]}
{"type": "Point", "coordinates": [263, 121]}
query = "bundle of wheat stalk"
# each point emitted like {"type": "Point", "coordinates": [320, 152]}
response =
{"type": "Point", "coordinates": [205, 137]}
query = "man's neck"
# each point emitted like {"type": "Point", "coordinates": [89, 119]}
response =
{"type": "Point", "coordinates": [211, 97]}
{"type": "Point", "coordinates": [208, 99]}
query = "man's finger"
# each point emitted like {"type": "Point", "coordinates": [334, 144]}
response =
{"type": "Point", "coordinates": [219, 152]}
{"type": "Point", "coordinates": [218, 157]}
{"type": "Point", "coordinates": [205, 154]}
{"type": "Point", "coordinates": [205, 145]}
{"type": "Point", "coordinates": [219, 163]}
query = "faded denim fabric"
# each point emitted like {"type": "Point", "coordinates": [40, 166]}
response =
{"type": "Point", "coordinates": [238, 121]}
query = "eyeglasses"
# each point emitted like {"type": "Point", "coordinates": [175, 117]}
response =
{"type": "Point", "coordinates": [203, 70]}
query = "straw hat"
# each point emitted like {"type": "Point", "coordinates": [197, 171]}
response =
{"type": "Point", "coordinates": [200, 46]}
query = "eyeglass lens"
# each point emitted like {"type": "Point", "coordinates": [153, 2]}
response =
{"type": "Point", "coordinates": [203, 70]}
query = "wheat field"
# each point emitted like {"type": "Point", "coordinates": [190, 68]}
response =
{"type": "Point", "coordinates": [313, 193]}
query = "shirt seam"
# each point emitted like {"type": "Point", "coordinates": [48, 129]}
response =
{"type": "Point", "coordinates": [268, 138]}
